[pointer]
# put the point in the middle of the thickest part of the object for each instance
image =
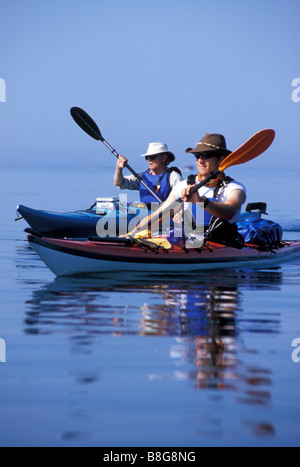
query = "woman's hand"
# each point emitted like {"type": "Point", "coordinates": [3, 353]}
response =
{"type": "Point", "coordinates": [121, 162]}
{"type": "Point", "coordinates": [118, 177]}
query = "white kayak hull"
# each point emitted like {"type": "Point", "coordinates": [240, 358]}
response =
{"type": "Point", "coordinates": [72, 257]}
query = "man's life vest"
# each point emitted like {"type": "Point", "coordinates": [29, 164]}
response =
{"type": "Point", "coordinates": [217, 191]}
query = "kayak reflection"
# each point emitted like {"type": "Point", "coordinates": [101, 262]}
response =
{"type": "Point", "coordinates": [203, 316]}
{"type": "Point", "coordinates": [158, 305]}
{"type": "Point", "coordinates": [202, 320]}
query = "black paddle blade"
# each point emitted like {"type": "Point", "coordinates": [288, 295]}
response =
{"type": "Point", "coordinates": [86, 123]}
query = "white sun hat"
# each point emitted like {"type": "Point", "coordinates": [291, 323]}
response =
{"type": "Point", "coordinates": [159, 148]}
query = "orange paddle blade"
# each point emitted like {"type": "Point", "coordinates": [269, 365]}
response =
{"type": "Point", "coordinates": [252, 148]}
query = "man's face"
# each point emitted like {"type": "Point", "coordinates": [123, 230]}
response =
{"type": "Point", "coordinates": [207, 163]}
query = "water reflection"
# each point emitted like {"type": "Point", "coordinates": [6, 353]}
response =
{"type": "Point", "coordinates": [152, 305]}
{"type": "Point", "coordinates": [204, 316]}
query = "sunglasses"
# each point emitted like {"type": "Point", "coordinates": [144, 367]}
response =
{"type": "Point", "coordinates": [204, 155]}
{"type": "Point", "coordinates": [151, 158]}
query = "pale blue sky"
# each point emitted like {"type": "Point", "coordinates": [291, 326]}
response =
{"type": "Point", "coordinates": [155, 70]}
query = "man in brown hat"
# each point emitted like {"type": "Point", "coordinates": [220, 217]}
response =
{"type": "Point", "coordinates": [221, 198]}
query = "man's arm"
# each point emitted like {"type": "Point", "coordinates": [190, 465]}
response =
{"type": "Point", "coordinates": [228, 209]}
{"type": "Point", "coordinates": [225, 210]}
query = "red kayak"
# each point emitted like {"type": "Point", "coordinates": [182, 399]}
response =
{"type": "Point", "coordinates": [68, 257]}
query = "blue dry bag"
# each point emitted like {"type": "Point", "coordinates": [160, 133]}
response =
{"type": "Point", "coordinates": [261, 232]}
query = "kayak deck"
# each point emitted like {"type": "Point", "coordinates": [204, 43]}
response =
{"type": "Point", "coordinates": [68, 257]}
{"type": "Point", "coordinates": [83, 223]}
{"type": "Point", "coordinates": [77, 224]}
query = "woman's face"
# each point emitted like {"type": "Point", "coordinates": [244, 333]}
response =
{"type": "Point", "coordinates": [157, 163]}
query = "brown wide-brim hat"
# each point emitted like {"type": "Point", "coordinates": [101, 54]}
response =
{"type": "Point", "coordinates": [211, 142]}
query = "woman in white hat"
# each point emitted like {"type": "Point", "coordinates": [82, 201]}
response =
{"type": "Point", "coordinates": [159, 177]}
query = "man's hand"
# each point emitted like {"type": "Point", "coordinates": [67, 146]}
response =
{"type": "Point", "coordinates": [187, 197]}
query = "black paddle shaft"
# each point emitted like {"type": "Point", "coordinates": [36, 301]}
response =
{"type": "Point", "coordinates": [88, 125]}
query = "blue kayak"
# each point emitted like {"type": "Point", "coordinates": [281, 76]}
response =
{"type": "Point", "coordinates": [81, 224]}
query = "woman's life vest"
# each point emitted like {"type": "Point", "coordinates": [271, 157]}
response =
{"type": "Point", "coordinates": [160, 184]}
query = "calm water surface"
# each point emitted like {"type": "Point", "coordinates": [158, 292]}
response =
{"type": "Point", "coordinates": [139, 360]}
